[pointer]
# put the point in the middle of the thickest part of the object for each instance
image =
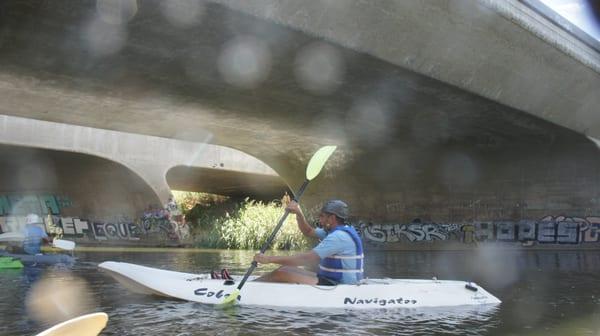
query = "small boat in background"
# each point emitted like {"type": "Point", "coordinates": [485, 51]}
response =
{"type": "Point", "coordinates": [39, 259]}
{"type": "Point", "coordinates": [10, 263]}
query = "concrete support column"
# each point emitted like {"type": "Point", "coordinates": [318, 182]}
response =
{"type": "Point", "coordinates": [154, 176]}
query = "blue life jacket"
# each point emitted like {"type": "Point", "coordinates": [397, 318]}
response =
{"type": "Point", "coordinates": [33, 239]}
{"type": "Point", "coordinates": [332, 267]}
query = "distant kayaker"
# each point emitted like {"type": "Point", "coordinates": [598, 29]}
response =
{"type": "Point", "coordinates": [34, 235]}
{"type": "Point", "coordinates": [339, 254]}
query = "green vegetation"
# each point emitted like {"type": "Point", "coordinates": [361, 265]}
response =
{"type": "Point", "coordinates": [219, 222]}
{"type": "Point", "coordinates": [252, 224]}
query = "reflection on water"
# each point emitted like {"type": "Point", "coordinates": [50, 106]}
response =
{"type": "Point", "coordinates": [543, 292]}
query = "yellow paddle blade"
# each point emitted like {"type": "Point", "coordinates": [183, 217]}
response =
{"type": "Point", "coordinates": [64, 244]}
{"type": "Point", "coordinates": [231, 298]}
{"type": "Point", "coordinates": [318, 160]}
{"type": "Point", "coordinates": [86, 325]}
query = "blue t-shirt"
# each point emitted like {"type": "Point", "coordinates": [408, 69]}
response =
{"type": "Point", "coordinates": [33, 239]}
{"type": "Point", "coordinates": [338, 243]}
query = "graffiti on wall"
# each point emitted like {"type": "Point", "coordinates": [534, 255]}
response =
{"type": "Point", "coordinates": [74, 228]}
{"type": "Point", "coordinates": [168, 222]}
{"type": "Point", "coordinates": [546, 230]}
{"type": "Point", "coordinates": [157, 223]}
{"type": "Point", "coordinates": [16, 205]}
{"type": "Point", "coordinates": [415, 231]}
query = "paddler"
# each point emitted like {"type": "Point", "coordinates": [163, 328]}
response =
{"type": "Point", "coordinates": [34, 235]}
{"type": "Point", "coordinates": [339, 253]}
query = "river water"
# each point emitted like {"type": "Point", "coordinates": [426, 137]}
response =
{"type": "Point", "coordinates": [543, 293]}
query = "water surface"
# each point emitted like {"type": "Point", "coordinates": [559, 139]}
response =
{"type": "Point", "coordinates": [543, 293]}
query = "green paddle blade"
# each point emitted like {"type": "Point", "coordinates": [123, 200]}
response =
{"type": "Point", "coordinates": [318, 160]}
{"type": "Point", "coordinates": [231, 298]}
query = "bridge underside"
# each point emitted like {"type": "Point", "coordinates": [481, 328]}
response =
{"type": "Point", "coordinates": [228, 183]}
{"type": "Point", "coordinates": [164, 81]}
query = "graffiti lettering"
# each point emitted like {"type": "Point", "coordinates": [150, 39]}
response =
{"type": "Point", "coordinates": [546, 230]}
{"type": "Point", "coordinates": [526, 230]}
{"type": "Point", "coordinates": [505, 231]}
{"type": "Point", "coordinates": [567, 232]}
{"type": "Point", "coordinates": [104, 231]}
{"type": "Point", "coordinates": [74, 226]}
{"type": "Point", "coordinates": [388, 233]}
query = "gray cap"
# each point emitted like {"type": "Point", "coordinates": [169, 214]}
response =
{"type": "Point", "coordinates": [336, 207]}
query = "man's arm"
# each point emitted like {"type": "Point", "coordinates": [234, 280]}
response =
{"type": "Point", "coordinates": [302, 259]}
{"type": "Point", "coordinates": [303, 225]}
{"type": "Point", "coordinates": [45, 238]}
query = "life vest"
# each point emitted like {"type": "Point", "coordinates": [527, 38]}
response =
{"type": "Point", "coordinates": [33, 239]}
{"type": "Point", "coordinates": [332, 267]}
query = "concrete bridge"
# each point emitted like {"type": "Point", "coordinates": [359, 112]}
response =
{"type": "Point", "coordinates": [446, 111]}
{"type": "Point", "coordinates": [113, 173]}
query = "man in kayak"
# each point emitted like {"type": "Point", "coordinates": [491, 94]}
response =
{"type": "Point", "coordinates": [339, 254]}
{"type": "Point", "coordinates": [34, 235]}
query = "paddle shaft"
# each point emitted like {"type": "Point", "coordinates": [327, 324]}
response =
{"type": "Point", "coordinates": [273, 234]}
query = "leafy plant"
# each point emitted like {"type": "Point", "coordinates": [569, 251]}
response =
{"type": "Point", "coordinates": [221, 222]}
{"type": "Point", "coordinates": [251, 225]}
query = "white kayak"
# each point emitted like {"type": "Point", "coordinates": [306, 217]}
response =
{"type": "Point", "coordinates": [11, 237]}
{"type": "Point", "coordinates": [370, 294]}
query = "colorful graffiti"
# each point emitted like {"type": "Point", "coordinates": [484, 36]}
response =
{"type": "Point", "coordinates": [168, 221]}
{"type": "Point", "coordinates": [546, 230]}
{"type": "Point", "coordinates": [155, 223]}
{"type": "Point", "coordinates": [77, 228]}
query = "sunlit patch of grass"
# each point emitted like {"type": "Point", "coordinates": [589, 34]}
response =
{"type": "Point", "coordinates": [246, 225]}
{"type": "Point", "coordinates": [253, 223]}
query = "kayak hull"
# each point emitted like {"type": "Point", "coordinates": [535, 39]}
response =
{"type": "Point", "coordinates": [372, 294]}
{"type": "Point", "coordinates": [10, 263]}
{"type": "Point", "coordinates": [40, 259]}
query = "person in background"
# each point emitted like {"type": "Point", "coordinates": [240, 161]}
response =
{"type": "Point", "coordinates": [34, 235]}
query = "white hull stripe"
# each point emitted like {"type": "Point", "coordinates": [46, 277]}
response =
{"type": "Point", "coordinates": [341, 270]}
